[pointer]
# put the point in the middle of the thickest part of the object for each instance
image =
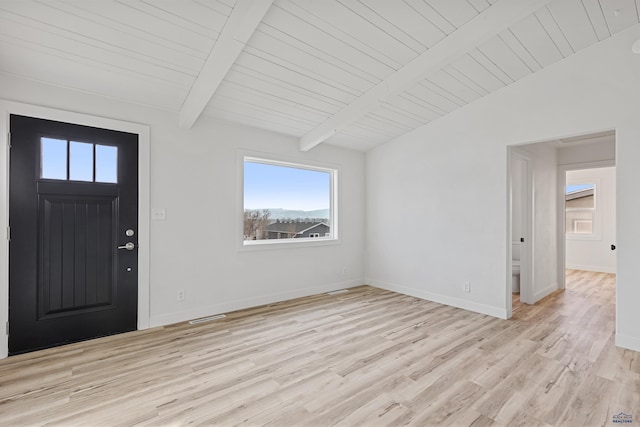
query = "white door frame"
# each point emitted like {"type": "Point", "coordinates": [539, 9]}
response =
{"type": "Point", "coordinates": [9, 107]}
{"type": "Point", "coordinates": [526, 250]}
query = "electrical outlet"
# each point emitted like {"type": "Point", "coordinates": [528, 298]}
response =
{"type": "Point", "coordinates": [180, 296]}
{"type": "Point", "coordinates": [467, 286]}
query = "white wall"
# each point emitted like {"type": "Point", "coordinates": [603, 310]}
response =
{"type": "Point", "coordinates": [455, 165]}
{"type": "Point", "coordinates": [194, 175]}
{"type": "Point", "coordinates": [594, 253]}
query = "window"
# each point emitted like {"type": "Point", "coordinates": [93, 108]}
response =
{"type": "Point", "coordinates": [78, 161]}
{"type": "Point", "coordinates": [287, 202]}
{"type": "Point", "coordinates": [53, 158]}
{"type": "Point", "coordinates": [580, 209]}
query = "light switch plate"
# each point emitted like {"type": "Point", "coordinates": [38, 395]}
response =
{"type": "Point", "coordinates": [158, 214]}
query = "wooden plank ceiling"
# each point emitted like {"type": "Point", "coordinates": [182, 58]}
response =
{"type": "Point", "coordinates": [354, 73]}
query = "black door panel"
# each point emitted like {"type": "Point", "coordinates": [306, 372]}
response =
{"type": "Point", "coordinates": [79, 228]}
{"type": "Point", "coordinates": [67, 279]}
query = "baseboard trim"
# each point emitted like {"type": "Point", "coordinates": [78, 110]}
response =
{"type": "Point", "coordinates": [628, 342]}
{"type": "Point", "coordinates": [489, 310]}
{"type": "Point", "coordinates": [597, 269]}
{"type": "Point", "coordinates": [543, 293]}
{"type": "Point", "coordinates": [229, 306]}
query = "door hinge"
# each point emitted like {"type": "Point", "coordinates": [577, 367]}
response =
{"type": "Point", "coordinates": [8, 232]}
{"type": "Point", "coordinates": [9, 139]}
{"type": "Point", "coordinates": [7, 328]}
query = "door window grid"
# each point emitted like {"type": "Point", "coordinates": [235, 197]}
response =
{"type": "Point", "coordinates": [67, 160]}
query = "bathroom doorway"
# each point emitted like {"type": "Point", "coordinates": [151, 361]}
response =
{"type": "Point", "coordinates": [537, 198]}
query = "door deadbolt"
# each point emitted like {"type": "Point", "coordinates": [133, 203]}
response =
{"type": "Point", "coordinates": [129, 232]}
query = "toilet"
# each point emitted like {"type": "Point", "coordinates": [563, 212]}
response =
{"type": "Point", "coordinates": [515, 267]}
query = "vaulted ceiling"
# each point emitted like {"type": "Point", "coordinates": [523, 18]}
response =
{"type": "Point", "coordinates": [353, 73]}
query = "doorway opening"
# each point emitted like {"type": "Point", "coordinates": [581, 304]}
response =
{"type": "Point", "coordinates": [560, 221]}
{"type": "Point", "coordinates": [590, 219]}
{"type": "Point", "coordinates": [9, 108]}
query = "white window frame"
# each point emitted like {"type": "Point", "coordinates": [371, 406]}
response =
{"type": "Point", "coordinates": [331, 238]}
{"type": "Point", "coordinates": [597, 214]}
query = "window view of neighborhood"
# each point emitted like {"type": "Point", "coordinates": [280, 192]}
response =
{"type": "Point", "coordinates": [285, 202]}
{"type": "Point", "coordinates": [580, 208]}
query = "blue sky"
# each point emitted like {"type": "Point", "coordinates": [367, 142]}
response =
{"type": "Point", "coordinates": [54, 161]}
{"type": "Point", "coordinates": [270, 186]}
{"type": "Point", "coordinates": [578, 187]}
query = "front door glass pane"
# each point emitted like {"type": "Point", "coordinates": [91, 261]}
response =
{"type": "Point", "coordinates": [106, 164]}
{"type": "Point", "coordinates": [53, 158]}
{"type": "Point", "coordinates": [81, 161]}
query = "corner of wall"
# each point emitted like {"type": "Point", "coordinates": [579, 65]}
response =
{"type": "Point", "coordinates": [499, 312]}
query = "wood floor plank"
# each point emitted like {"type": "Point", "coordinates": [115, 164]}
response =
{"type": "Point", "coordinates": [366, 357]}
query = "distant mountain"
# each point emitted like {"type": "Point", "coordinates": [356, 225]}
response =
{"type": "Point", "coordinates": [278, 213]}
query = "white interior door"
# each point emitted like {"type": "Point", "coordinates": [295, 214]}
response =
{"type": "Point", "coordinates": [521, 221]}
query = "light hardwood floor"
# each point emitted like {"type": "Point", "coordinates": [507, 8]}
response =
{"type": "Point", "coordinates": [366, 357]}
{"type": "Point", "coordinates": [516, 304]}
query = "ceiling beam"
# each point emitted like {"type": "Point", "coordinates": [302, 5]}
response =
{"type": "Point", "coordinates": [244, 18]}
{"type": "Point", "coordinates": [481, 28]}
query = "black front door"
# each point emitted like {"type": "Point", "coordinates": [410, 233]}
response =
{"type": "Point", "coordinates": [73, 217]}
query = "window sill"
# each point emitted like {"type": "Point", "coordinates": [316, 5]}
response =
{"type": "Point", "coordinates": [260, 245]}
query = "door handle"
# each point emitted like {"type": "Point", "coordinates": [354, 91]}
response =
{"type": "Point", "coordinates": [128, 246]}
